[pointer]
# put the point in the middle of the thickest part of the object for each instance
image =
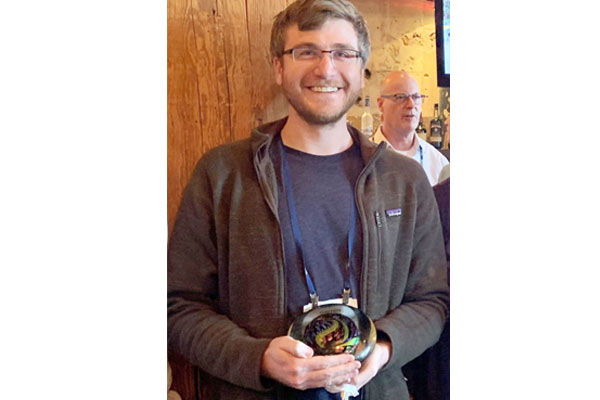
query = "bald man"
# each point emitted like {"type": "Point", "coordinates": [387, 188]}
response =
{"type": "Point", "coordinates": [400, 104]}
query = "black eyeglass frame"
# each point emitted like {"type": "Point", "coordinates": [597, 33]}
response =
{"type": "Point", "coordinates": [402, 97]}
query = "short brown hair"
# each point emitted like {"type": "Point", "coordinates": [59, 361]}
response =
{"type": "Point", "coordinates": [312, 14]}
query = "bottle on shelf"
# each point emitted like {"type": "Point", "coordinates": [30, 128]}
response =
{"type": "Point", "coordinates": [366, 121]}
{"type": "Point", "coordinates": [421, 130]}
{"type": "Point", "coordinates": [435, 129]}
{"type": "Point", "coordinates": [446, 136]}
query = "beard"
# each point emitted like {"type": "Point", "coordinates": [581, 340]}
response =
{"type": "Point", "coordinates": [323, 116]}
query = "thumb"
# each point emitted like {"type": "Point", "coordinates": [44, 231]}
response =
{"type": "Point", "coordinates": [298, 349]}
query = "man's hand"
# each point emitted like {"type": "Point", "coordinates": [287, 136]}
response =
{"type": "Point", "coordinates": [292, 363]}
{"type": "Point", "coordinates": [370, 367]}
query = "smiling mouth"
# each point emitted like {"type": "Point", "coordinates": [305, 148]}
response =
{"type": "Point", "coordinates": [324, 89]}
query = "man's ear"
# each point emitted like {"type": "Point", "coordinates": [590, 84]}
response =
{"type": "Point", "coordinates": [362, 78]}
{"type": "Point", "coordinates": [380, 105]}
{"type": "Point", "coordinates": [278, 69]}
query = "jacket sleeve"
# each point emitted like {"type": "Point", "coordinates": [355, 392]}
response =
{"type": "Point", "coordinates": [417, 322]}
{"type": "Point", "coordinates": [196, 328]}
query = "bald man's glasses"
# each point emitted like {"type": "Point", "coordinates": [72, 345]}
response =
{"type": "Point", "coordinates": [400, 98]}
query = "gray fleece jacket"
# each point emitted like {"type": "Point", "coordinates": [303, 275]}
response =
{"type": "Point", "coordinates": [226, 288]}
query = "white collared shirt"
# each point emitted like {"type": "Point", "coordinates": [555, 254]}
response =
{"type": "Point", "coordinates": [432, 160]}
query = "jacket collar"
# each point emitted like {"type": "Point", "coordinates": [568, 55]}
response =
{"type": "Point", "coordinates": [262, 137]}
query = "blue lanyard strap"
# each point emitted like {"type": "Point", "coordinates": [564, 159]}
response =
{"type": "Point", "coordinates": [287, 184]}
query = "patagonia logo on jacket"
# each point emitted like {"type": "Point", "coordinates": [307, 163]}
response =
{"type": "Point", "coordinates": [394, 212]}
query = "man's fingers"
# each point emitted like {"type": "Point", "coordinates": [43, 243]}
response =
{"type": "Point", "coordinates": [292, 362]}
{"type": "Point", "coordinates": [332, 375]}
{"type": "Point", "coordinates": [372, 365]}
{"type": "Point", "coordinates": [363, 377]}
{"type": "Point", "coordinates": [323, 362]}
{"type": "Point", "coordinates": [368, 372]}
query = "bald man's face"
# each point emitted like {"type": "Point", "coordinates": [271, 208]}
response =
{"type": "Point", "coordinates": [399, 118]}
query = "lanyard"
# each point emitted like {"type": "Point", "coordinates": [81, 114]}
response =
{"type": "Point", "coordinates": [287, 184]}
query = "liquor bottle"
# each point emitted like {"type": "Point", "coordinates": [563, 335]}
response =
{"type": "Point", "coordinates": [421, 131]}
{"type": "Point", "coordinates": [366, 121]}
{"type": "Point", "coordinates": [435, 129]}
{"type": "Point", "coordinates": [446, 135]}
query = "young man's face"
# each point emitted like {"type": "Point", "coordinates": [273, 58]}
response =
{"type": "Point", "coordinates": [320, 91]}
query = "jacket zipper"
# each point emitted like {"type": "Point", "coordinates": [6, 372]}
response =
{"type": "Point", "coordinates": [360, 182]}
{"type": "Point", "coordinates": [270, 201]}
{"type": "Point", "coordinates": [379, 223]}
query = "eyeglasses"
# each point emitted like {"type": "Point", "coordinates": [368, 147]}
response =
{"type": "Point", "coordinates": [400, 98]}
{"type": "Point", "coordinates": [337, 56]}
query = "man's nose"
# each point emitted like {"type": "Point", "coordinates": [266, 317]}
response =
{"type": "Point", "coordinates": [325, 66]}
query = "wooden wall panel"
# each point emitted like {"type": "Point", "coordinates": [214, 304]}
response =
{"type": "Point", "coordinates": [233, 19]}
{"type": "Point", "coordinates": [211, 70]}
{"type": "Point", "coordinates": [267, 102]}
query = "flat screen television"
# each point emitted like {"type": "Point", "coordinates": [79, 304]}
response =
{"type": "Point", "coordinates": [442, 41]}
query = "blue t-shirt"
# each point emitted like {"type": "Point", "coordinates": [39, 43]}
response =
{"type": "Point", "coordinates": [323, 190]}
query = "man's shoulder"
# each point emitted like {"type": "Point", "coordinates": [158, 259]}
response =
{"type": "Point", "coordinates": [432, 153]}
{"type": "Point", "coordinates": [399, 165]}
{"type": "Point", "coordinates": [230, 149]}
{"type": "Point", "coordinates": [225, 157]}
{"type": "Point", "coordinates": [246, 147]}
